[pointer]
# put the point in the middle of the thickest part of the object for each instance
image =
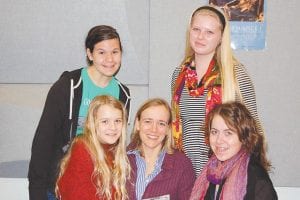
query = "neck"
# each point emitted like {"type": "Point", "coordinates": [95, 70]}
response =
{"type": "Point", "coordinates": [202, 63]}
{"type": "Point", "coordinates": [98, 78]}
{"type": "Point", "coordinates": [151, 155]}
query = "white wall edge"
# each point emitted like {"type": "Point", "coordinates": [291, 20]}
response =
{"type": "Point", "coordinates": [17, 189]}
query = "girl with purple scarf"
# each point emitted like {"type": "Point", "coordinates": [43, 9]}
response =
{"type": "Point", "coordinates": [238, 168]}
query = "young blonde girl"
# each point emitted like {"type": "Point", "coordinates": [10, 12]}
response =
{"type": "Point", "coordinates": [96, 166]}
{"type": "Point", "coordinates": [209, 75]}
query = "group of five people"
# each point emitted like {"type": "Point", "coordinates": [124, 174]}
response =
{"type": "Point", "coordinates": [210, 133]}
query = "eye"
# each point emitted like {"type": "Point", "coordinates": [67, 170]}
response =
{"type": "Point", "coordinates": [118, 121]}
{"type": "Point", "coordinates": [147, 121]}
{"type": "Point", "coordinates": [213, 132]}
{"type": "Point", "coordinates": [195, 29]}
{"type": "Point", "coordinates": [116, 51]}
{"type": "Point", "coordinates": [162, 124]}
{"type": "Point", "coordinates": [228, 133]}
{"type": "Point", "coordinates": [101, 52]}
{"type": "Point", "coordinates": [104, 121]}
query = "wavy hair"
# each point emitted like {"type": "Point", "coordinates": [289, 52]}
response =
{"type": "Point", "coordinates": [104, 178]}
{"type": "Point", "coordinates": [168, 142]}
{"type": "Point", "coordinates": [223, 54]}
{"type": "Point", "coordinates": [238, 117]}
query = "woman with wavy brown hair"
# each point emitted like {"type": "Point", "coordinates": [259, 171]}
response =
{"type": "Point", "coordinates": [238, 168]}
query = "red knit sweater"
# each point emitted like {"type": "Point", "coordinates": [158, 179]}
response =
{"type": "Point", "coordinates": [76, 182]}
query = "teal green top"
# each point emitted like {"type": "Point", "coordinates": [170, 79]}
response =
{"type": "Point", "coordinates": [89, 91]}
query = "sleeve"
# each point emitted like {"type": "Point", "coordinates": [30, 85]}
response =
{"type": "Point", "coordinates": [44, 149]}
{"type": "Point", "coordinates": [259, 184]}
{"type": "Point", "coordinates": [76, 182]}
{"type": "Point", "coordinates": [128, 108]}
{"type": "Point", "coordinates": [125, 98]}
{"type": "Point", "coordinates": [248, 93]}
{"type": "Point", "coordinates": [173, 80]}
{"type": "Point", "coordinates": [187, 179]}
{"type": "Point", "coordinates": [264, 190]}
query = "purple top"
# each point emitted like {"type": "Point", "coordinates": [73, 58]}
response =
{"type": "Point", "coordinates": [175, 180]}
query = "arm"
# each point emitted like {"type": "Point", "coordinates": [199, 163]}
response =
{"type": "Point", "coordinates": [45, 145]}
{"type": "Point", "coordinates": [173, 80]}
{"type": "Point", "coordinates": [264, 190]}
{"type": "Point", "coordinates": [259, 184]}
{"type": "Point", "coordinates": [248, 93]}
{"type": "Point", "coordinates": [187, 179]}
{"type": "Point", "coordinates": [76, 182]}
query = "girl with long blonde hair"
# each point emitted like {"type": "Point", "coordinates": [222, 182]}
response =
{"type": "Point", "coordinates": [209, 75]}
{"type": "Point", "coordinates": [96, 165]}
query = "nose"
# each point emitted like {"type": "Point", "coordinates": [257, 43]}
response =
{"type": "Point", "coordinates": [113, 126]}
{"type": "Point", "coordinates": [154, 127]}
{"type": "Point", "coordinates": [219, 139]}
{"type": "Point", "coordinates": [200, 34]}
{"type": "Point", "coordinates": [109, 57]}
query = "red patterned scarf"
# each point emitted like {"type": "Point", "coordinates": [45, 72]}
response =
{"type": "Point", "coordinates": [233, 171]}
{"type": "Point", "coordinates": [188, 78]}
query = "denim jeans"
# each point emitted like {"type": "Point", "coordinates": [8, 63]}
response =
{"type": "Point", "coordinates": [51, 195]}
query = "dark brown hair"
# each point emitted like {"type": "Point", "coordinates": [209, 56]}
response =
{"type": "Point", "coordinates": [98, 34]}
{"type": "Point", "coordinates": [238, 117]}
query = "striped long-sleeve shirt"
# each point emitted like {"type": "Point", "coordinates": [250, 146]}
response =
{"type": "Point", "coordinates": [192, 114]}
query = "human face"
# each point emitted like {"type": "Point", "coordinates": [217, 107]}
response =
{"type": "Point", "coordinates": [153, 127]}
{"type": "Point", "coordinates": [110, 123]}
{"type": "Point", "coordinates": [106, 57]}
{"type": "Point", "coordinates": [223, 140]}
{"type": "Point", "coordinates": [205, 34]}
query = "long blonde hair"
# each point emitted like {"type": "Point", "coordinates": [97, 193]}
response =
{"type": "Point", "coordinates": [224, 54]}
{"type": "Point", "coordinates": [104, 177]}
{"type": "Point", "coordinates": [168, 142]}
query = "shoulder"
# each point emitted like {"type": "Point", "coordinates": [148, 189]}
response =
{"type": "Point", "coordinates": [259, 183]}
{"type": "Point", "coordinates": [64, 80]}
{"type": "Point", "coordinates": [244, 80]}
{"type": "Point", "coordinates": [175, 76]}
{"type": "Point", "coordinates": [179, 159]}
{"type": "Point", "coordinates": [176, 71]}
{"type": "Point", "coordinates": [124, 90]}
{"type": "Point", "coordinates": [123, 85]}
{"type": "Point", "coordinates": [241, 71]}
{"type": "Point", "coordinates": [79, 149]}
{"type": "Point", "coordinates": [254, 168]}
{"type": "Point", "coordinates": [75, 74]}
{"type": "Point", "coordinates": [131, 158]}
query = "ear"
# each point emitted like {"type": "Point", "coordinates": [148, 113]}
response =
{"type": "Point", "coordinates": [89, 54]}
{"type": "Point", "coordinates": [137, 125]}
{"type": "Point", "coordinates": [169, 130]}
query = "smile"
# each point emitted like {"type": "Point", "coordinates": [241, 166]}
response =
{"type": "Point", "coordinates": [153, 137]}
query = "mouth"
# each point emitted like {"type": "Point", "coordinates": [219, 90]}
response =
{"type": "Point", "coordinates": [111, 134]}
{"type": "Point", "coordinates": [200, 44]}
{"type": "Point", "coordinates": [109, 66]}
{"type": "Point", "coordinates": [152, 137]}
{"type": "Point", "coordinates": [220, 150]}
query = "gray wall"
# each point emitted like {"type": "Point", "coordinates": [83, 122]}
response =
{"type": "Point", "coordinates": [40, 39]}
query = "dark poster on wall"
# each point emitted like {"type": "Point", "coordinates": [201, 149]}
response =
{"type": "Point", "coordinates": [247, 22]}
